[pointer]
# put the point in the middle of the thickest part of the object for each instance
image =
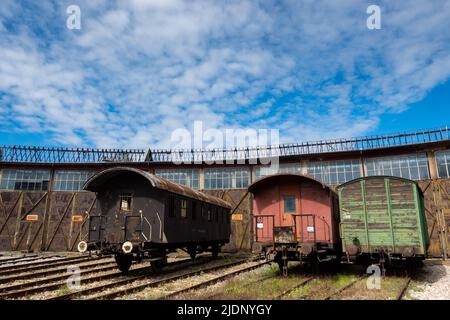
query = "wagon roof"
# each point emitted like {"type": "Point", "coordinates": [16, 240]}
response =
{"type": "Point", "coordinates": [266, 179]}
{"type": "Point", "coordinates": [94, 183]}
{"type": "Point", "coordinates": [377, 177]}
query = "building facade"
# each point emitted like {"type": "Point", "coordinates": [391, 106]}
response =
{"type": "Point", "coordinates": [43, 206]}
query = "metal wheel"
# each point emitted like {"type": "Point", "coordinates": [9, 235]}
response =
{"type": "Point", "coordinates": [192, 252]}
{"type": "Point", "coordinates": [124, 262]}
{"type": "Point", "coordinates": [215, 251]}
{"type": "Point", "coordinates": [157, 265]}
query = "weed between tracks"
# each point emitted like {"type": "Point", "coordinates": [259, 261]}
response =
{"type": "Point", "coordinates": [62, 291]}
{"type": "Point", "coordinates": [321, 287]}
{"type": "Point", "coordinates": [390, 287]}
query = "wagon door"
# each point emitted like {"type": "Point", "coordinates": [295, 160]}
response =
{"type": "Point", "coordinates": [353, 217]}
{"type": "Point", "coordinates": [108, 224]}
{"type": "Point", "coordinates": [377, 208]}
{"type": "Point", "coordinates": [95, 228]}
{"type": "Point", "coordinates": [289, 204]}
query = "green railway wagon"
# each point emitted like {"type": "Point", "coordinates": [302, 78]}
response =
{"type": "Point", "coordinates": [382, 217]}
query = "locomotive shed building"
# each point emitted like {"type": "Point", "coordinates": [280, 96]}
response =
{"type": "Point", "coordinates": [43, 206]}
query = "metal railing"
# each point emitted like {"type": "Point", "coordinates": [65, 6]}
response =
{"type": "Point", "coordinates": [263, 228]}
{"type": "Point", "coordinates": [87, 155]}
{"type": "Point", "coordinates": [305, 227]}
{"type": "Point", "coordinates": [68, 155]}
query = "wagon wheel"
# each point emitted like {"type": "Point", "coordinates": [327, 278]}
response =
{"type": "Point", "coordinates": [124, 262]}
{"type": "Point", "coordinates": [280, 265]}
{"type": "Point", "coordinates": [192, 251]}
{"type": "Point", "coordinates": [215, 251]}
{"type": "Point", "coordinates": [157, 265]}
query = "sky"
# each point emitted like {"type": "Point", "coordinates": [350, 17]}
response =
{"type": "Point", "coordinates": [138, 70]}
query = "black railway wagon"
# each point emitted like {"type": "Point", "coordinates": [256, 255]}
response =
{"type": "Point", "coordinates": [383, 218]}
{"type": "Point", "coordinates": [141, 216]}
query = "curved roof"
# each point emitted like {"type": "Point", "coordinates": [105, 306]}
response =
{"type": "Point", "coordinates": [376, 177]}
{"type": "Point", "coordinates": [272, 177]}
{"type": "Point", "coordinates": [96, 181]}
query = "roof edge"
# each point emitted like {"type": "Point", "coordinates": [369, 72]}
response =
{"type": "Point", "coordinates": [255, 184]}
{"type": "Point", "coordinates": [159, 183]}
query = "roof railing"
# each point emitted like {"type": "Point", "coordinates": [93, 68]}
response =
{"type": "Point", "coordinates": [90, 155]}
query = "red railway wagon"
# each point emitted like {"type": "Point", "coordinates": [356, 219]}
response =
{"type": "Point", "coordinates": [296, 218]}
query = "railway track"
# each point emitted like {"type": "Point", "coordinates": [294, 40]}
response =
{"type": "Point", "coordinates": [345, 287]}
{"type": "Point", "coordinates": [399, 296]}
{"type": "Point", "coordinates": [90, 293]}
{"type": "Point", "coordinates": [210, 281]}
{"type": "Point", "coordinates": [15, 261]}
{"type": "Point", "coordinates": [52, 283]}
{"type": "Point", "coordinates": [42, 265]}
{"type": "Point", "coordinates": [11, 260]}
{"type": "Point", "coordinates": [120, 282]}
{"type": "Point", "coordinates": [291, 289]}
{"type": "Point", "coordinates": [56, 282]}
{"type": "Point", "coordinates": [249, 284]}
{"type": "Point", "coordinates": [109, 263]}
{"type": "Point", "coordinates": [404, 288]}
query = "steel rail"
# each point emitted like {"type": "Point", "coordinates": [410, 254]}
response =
{"type": "Point", "coordinates": [249, 284]}
{"type": "Point", "coordinates": [120, 282]}
{"type": "Point", "coordinates": [41, 265]}
{"type": "Point", "coordinates": [51, 283]}
{"type": "Point", "coordinates": [291, 289]}
{"type": "Point", "coordinates": [169, 278]}
{"type": "Point", "coordinates": [18, 260]}
{"type": "Point", "coordinates": [48, 272]}
{"type": "Point", "coordinates": [213, 280]}
{"type": "Point", "coordinates": [342, 289]}
{"type": "Point", "coordinates": [404, 288]}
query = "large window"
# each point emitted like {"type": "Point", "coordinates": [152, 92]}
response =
{"type": "Point", "coordinates": [12, 179]}
{"type": "Point", "coordinates": [262, 171]}
{"type": "Point", "coordinates": [334, 172]}
{"type": "Point", "coordinates": [412, 166]}
{"type": "Point", "coordinates": [226, 178]}
{"type": "Point", "coordinates": [443, 163]}
{"type": "Point", "coordinates": [71, 180]}
{"type": "Point", "coordinates": [187, 177]}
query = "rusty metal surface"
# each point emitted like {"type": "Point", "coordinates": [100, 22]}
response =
{"type": "Point", "coordinates": [313, 218]}
{"type": "Point", "coordinates": [273, 177]}
{"type": "Point", "coordinates": [157, 182]}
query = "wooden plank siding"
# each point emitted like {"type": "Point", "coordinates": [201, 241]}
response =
{"type": "Point", "coordinates": [380, 213]}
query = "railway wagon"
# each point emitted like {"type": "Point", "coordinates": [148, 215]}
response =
{"type": "Point", "coordinates": [141, 216]}
{"type": "Point", "coordinates": [295, 219]}
{"type": "Point", "coordinates": [382, 218]}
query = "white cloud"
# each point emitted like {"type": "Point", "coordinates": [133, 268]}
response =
{"type": "Point", "coordinates": [137, 70]}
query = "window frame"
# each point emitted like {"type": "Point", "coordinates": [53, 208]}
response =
{"type": "Point", "coordinates": [128, 195]}
{"type": "Point", "coordinates": [183, 208]}
{"type": "Point", "coordinates": [294, 198]}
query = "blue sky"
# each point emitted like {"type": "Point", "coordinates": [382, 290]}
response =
{"type": "Point", "coordinates": [138, 70]}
